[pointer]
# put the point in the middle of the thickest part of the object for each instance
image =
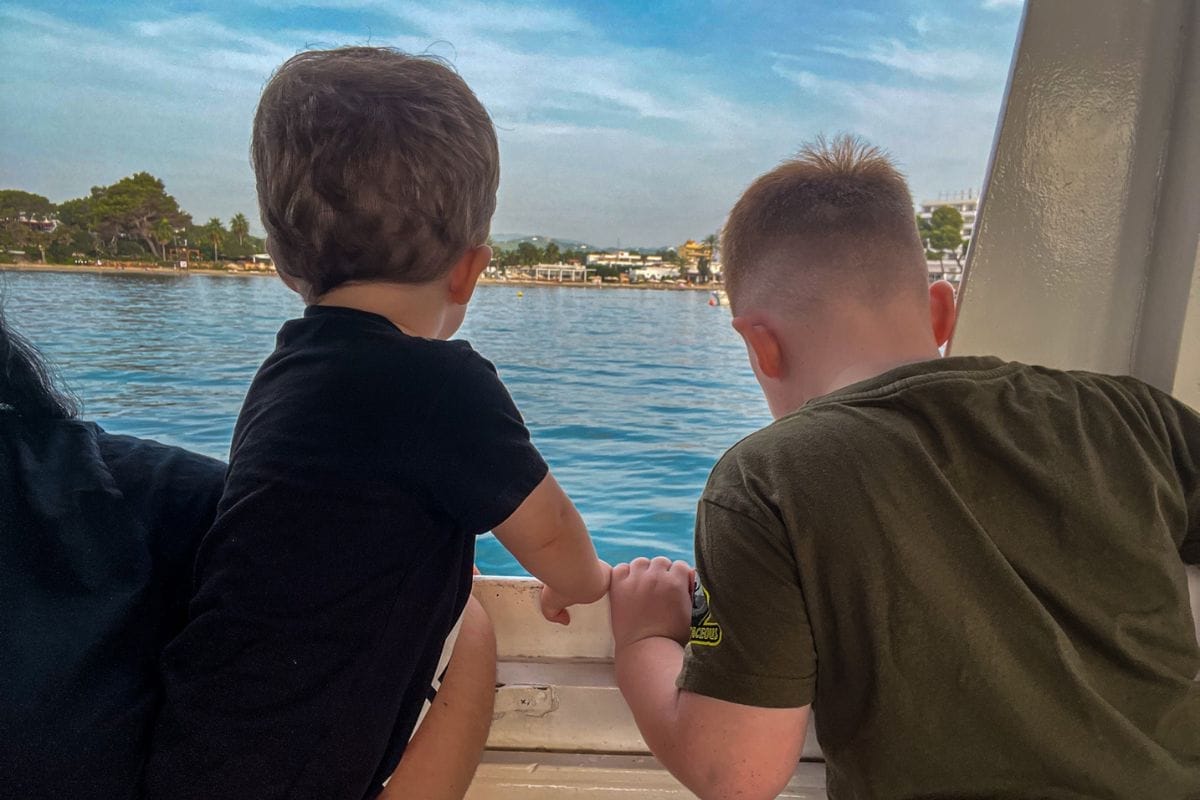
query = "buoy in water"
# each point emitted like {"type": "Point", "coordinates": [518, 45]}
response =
{"type": "Point", "coordinates": [520, 294]}
{"type": "Point", "coordinates": [712, 301]}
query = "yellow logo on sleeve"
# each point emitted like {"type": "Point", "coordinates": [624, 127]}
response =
{"type": "Point", "coordinates": [706, 631]}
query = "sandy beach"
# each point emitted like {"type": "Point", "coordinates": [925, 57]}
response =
{"type": "Point", "coordinates": [130, 269]}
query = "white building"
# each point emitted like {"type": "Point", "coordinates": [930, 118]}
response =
{"type": "Point", "coordinates": [43, 222]}
{"type": "Point", "coordinates": [966, 203]}
{"type": "Point", "coordinates": [655, 272]}
{"type": "Point", "coordinates": [621, 258]}
{"type": "Point", "coordinates": [550, 272]}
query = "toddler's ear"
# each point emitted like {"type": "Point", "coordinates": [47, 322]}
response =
{"type": "Point", "coordinates": [465, 274]}
{"type": "Point", "coordinates": [297, 285]}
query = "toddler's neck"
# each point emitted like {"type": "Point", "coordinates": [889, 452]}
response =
{"type": "Point", "coordinates": [418, 309]}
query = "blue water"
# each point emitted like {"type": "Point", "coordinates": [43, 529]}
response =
{"type": "Point", "coordinates": [630, 395]}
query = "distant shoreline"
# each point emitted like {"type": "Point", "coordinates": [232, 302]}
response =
{"type": "Point", "coordinates": [112, 269]}
{"type": "Point", "coordinates": [654, 287]}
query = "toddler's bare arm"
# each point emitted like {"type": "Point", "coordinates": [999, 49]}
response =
{"type": "Point", "coordinates": [548, 537]}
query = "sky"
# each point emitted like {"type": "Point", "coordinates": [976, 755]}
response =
{"type": "Point", "coordinates": [628, 123]}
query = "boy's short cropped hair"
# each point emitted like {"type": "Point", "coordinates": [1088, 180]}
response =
{"type": "Point", "coordinates": [838, 216]}
{"type": "Point", "coordinates": [371, 165]}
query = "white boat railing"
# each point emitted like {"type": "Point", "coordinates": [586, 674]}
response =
{"type": "Point", "coordinates": [560, 726]}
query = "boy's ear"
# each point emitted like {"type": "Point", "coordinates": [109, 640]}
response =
{"type": "Point", "coordinates": [766, 355]}
{"type": "Point", "coordinates": [942, 311]}
{"type": "Point", "coordinates": [465, 274]}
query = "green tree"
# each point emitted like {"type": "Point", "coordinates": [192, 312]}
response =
{"type": "Point", "coordinates": [12, 234]}
{"type": "Point", "coordinates": [239, 226]}
{"type": "Point", "coordinates": [924, 231]}
{"type": "Point", "coordinates": [214, 232]}
{"type": "Point", "coordinates": [46, 240]}
{"type": "Point", "coordinates": [14, 202]}
{"type": "Point", "coordinates": [607, 270]}
{"type": "Point", "coordinates": [164, 232]}
{"type": "Point", "coordinates": [552, 254]}
{"type": "Point", "coordinates": [16, 235]}
{"type": "Point", "coordinates": [528, 254]}
{"type": "Point", "coordinates": [82, 240]}
{"type": "Point", "coordinates": [669, 256]}
{"type": "Point", "coordinates": [132, 207]}
{"type": "Point", "coordinates": [77, 213]}
{"type": "Point", "coordinates": [60, 250]}
{"type": "Point", "coordinates": [942, 233]}
{"type": "Point", "coordinates": [18, 210]}
{"type": "Point", "coordinates": [714, 244]}
{"type": "Point", "coordinates": [946, 217]}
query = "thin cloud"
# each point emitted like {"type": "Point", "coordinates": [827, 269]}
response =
{"type": "Point", "coordinates": [961, 64]}
{"type": "Point", "coordinates": [490, 18]}
{"type": "Point", "coordinates": [494, 18]}
{"type": "Point", "coordinates": [940, 133]}
{"type": "Point", "coordinates": [603, 135]}
{"type": "Point", "coordinates": [808, 81]}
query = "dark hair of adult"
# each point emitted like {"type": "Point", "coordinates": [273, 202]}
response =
{"type": "Point", "coordinates": [371, 165]}
{"type": "Point", "coordinates": [26, 383]}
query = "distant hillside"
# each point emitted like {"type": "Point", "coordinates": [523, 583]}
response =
{"type": "Point", "coordinates": [510, 241]}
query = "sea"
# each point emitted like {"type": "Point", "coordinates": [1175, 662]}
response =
{"type": "Point", "coordinates": [631, 395]}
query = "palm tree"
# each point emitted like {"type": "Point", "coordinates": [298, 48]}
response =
{"type": "Point", "coordinates": [239, 226]}
{"type": "Point", "coordinates": [712, 241]}
{"type": "Point", "coordinates": [215, 232]}
{"type": "Point", "coordinates": [164, 231]}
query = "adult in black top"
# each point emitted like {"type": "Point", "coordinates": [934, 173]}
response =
{"type": "Point", "coordinates": [97, 537]}
{"type": "Point", "coordinates": [364, 463]}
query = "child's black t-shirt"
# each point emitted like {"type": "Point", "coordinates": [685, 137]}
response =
{"type": "Point", "coordinates": [364, 463]}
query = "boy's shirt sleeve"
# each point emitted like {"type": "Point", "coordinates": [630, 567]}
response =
{"type": "Point", "coordinates": [481, 461]}
{"type": "Point", "coordinates": [751, 642]}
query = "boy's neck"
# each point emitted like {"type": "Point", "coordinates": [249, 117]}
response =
{"type": "Point", "coordinates": [418, 309]}
{"type": "Point", "coordinates": [865, 370]}
{"type": "Point", "coordinates": [855, 350]}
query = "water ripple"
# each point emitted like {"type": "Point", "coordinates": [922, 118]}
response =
{"type": "Point", "coordinates": [630, 395]}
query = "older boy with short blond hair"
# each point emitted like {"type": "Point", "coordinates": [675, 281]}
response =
{"type": "Point", "coordinates": [971, 569]}
{"type": "Point", "coordinates": [369, 454]}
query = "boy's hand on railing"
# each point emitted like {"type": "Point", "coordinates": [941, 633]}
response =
{"type": "Point", "coordinates": [554, 603]}
{"type": "Point", "coordinates": [651, 598]}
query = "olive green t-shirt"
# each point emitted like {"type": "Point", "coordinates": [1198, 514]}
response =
{"type": "Point", "coordinates": [973, 570]}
